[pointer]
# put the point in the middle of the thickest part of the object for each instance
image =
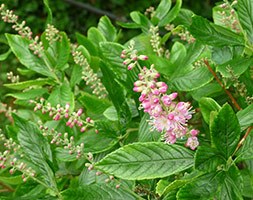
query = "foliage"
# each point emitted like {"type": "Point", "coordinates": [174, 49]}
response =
{"type": "Point", "coordinates": [76, 127]}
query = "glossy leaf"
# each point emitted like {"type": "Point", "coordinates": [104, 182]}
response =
{"type": "Point", "coordinates": [172, 14]}
{"type": "Point", "coordinates": [83, 40]}
{"type": "Point", "coordinates": [208, 159]}
{"type": "Point", "coordinates": [36, 148]}
{"type": "Point", "coordinates": [225, 131]}
{"type": "Point", "coordinates": [5, 55]}
{"type": "Point", "coordinates": [213, 34]}
{"type": "Point", "coordinates": [245, 117]}
{"type": "Point", "coordinates": [245, 15]}
{"type": "Point", "coordinates": [20, 47]}
{"type": "Point", "coordinates": [62, 51]}
{"type": "Point", "coordinates": [97, 191]}
{"type": "Point", "coordinates": [108, 30]}
{"type": "Point", "coordinates": [207, 105]}
{"type": "Point", "coordinates": [26, 84]}
{"type": "Point", "coordinates": [161, 11]}
{"type": "Point", "coordinates": [28, 95]}
{"type": "Point", "coordinates": [95, 36]}
{"type": "Point", "coordinates": [146, 161]}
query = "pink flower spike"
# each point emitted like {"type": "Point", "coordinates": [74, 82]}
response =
{"type": "Point", "coordinates": [142, 97]}
{"type": "Point", "coordinates": [173, 95]}
{"type": "Point", "coordinates": [83, 129]}
{"type": "Point", "coordinates": [166, 100]}
{"type": "Point", "coordinates": [57, 117]}
{"type": "Point", "coordinates": [137, 89]}
{"type": "Point", "coordinates": [194, 132]}
{"type": "Point", "coordinates": [171, 116]}
{"type": "Point", "coordinates": [138, 83]}
{"type": "Point", "coordinates": [68, 123]}
{"type": "Point", "coordinates": [163, 89]}
{"type": "Point", "coordinates": [88, 119]}
{"type": "Point", "coordinates": [130, 66]}
{"type": "Point", "coordinates": [156, 92]}
{"type": "Point", "coordinates": [143, 57]}
{"type": "Point", "coordinates": [66, 115]}
{"type": "Point", "coordinates": [123, 55]}
{"type": "Point", "coordinates": [127, 61]}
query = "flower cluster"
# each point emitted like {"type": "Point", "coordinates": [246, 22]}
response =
{"type": "Point", "coordinates": [166, 115]}
{"type": "Point", "coordinates": [131, 57]}
{"type": "Point", "coordinates": [89, 76]}
{"type": "Point", "coordinates": [9, 17]}
{"type": "Point", "coordinates": [58, 112]}
{"type": "Point", "coordinates": [229, 17]}
{"type": "Point", "coordinates": [12, 158]}
{"type": "Point", "coordinates": [12, 77]}
{"type": "Point", "coordinates": [52, 34]}
{"type": "Point", "coordinates": [60, 139]}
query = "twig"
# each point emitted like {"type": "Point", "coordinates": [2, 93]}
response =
{"type": "Point", "coordinates": [93, 9]}
{"type": "Point", "coordinates": [243, 139]}
{"type": "Point", "coordinates": [221, 84]}
{"type": "Point", "coordinates": [6, 188]}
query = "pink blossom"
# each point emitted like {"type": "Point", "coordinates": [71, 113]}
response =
{"type": "Point", "coordinates": [192, 142]}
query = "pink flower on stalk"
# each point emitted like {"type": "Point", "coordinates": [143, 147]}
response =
{"type": "Point", "coordinates": [192, 142]}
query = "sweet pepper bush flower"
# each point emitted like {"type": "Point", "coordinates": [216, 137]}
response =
{"type": "Point", "coordinates": [166, 115]}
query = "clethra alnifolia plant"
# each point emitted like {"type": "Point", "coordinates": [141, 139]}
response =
{"type": "Point", "coordinates": [162, 112]}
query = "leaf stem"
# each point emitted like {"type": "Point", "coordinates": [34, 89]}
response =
{"type": "Point", "coordinates": [221, 84]}
{"type": "Point", "coordinates": [6, 188]}
{"type": "Point", "coordinates": [242, 140]}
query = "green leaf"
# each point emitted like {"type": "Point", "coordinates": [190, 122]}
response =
{"type": "Point", "coordinates": [62, 95]}
{"type": "Point", "coordinates": [161, 11]}
{"type": "Point", "coordinates": [193, 79]}
{"type": "Point", "coordinates": [49, 12]}
{"type": "Point", "coordinates": [207, 105]}
{"type": "Point", "coordinates": [184, 17]}
{"type": "Point", "coordinates": [146, 161]}
{"type": "Point", "coordinates": [203, 188]}
{"type": "Point", "coordinates": [171, 15]}
{"type": "Point", "coordinates": [62, 51]}
{"type": "Point", "coordinates": [83, 40]}
{"type": "Point", "coordinates": [5, 55]}
{"type": "Point", "coordinates": [237, 65]}
{"type": "Point", "coordinates": [246, 151]}
{"type": "Point", "coordinates": [12, 180]}
{"type": "Point", "coordinates": [98, 191]}
{"type": "Point", "coordinates": [225, 131]}
{"type": "Point", "coordinates": [95, 36]}
{"type": "Point", "coordinates": [111, 113]}
{"type": "Point", "coordinates": [20, 47]}
{"type": "Point", "coordinates": [213, 34]}
{"type": "Point", "coordinates": [116, 94]}
{"type": "Point", "coordinates": [109, 31]}
{"type": "Point", "coordinates": [76, 75]}
{"type": "Point", "coordinates": [145, 134]}
{"type": "Point", "coordinates": [245, 15]}
{"type": "Point", "coordinates": [64, 155]}
{"type": "Point", "coordinates": [141, 20]}
{"type": "Point", "coordinates": [93, 104]}
{"type": "Point", "coordinates": [30, 94]}
{"type": "Point", "coordinates": [247, 177]}
{"type": "Point", "coordinates": [221, 55]}
{"type": "Point", "coordinates": [208, 159]}
{"type": "Point", "coordinates": [36, 148]}
{"type": "Point", "coordinates": [160, 186]}
{"type": "Point", "coordinates": [104, 140]}
{"type": "Point", "coordinates": [231, 183]}
{"type": "Point", "coordinates": [26, 84]}
{"type": "Point", "coordinates": [245, 117]}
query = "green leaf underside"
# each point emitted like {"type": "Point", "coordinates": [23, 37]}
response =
{"type": "Point", "coordinates": [96, 191]}
{"type": "Point", "coordinates": [225, 131]}
{"type": "Point", "coordinates": [245, 117]}
{"type": "Point", "coordinates": [146, 161]}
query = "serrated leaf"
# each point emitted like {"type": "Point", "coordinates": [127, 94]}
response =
{"type": "Point", "coordinates": [62, 51]}
{"type": "Point", "coordinates": [30, 94]}
{"type": "Point", "coordinates": [247, 177]}
{"type": "Point", "coordinates": [62, 95]}
{"type": "Point", "coordinates": [184, 17]}
{"type": "Point", "coordinates": [95, 36]}
{"type": "Point", "coordinates": [83, 40]}
{"type": "Point", "coordinates": [12, 180]}
{"type": "Point", "coordinates": [213, 34]}
{"type": "Point", "coordinates": [207, 105]}
{"type": "Point", "coordinates": [171, 15]}
{"type": "Point", "coordinates": [193, 79]}
{"type": "Point", "coordinates": [145, 134]}
{"type": "Point", "coordinates": [111, 113]}
{"type": "Point", "coordinates": [221, 55]}
{"type": "Point", "coordinates": [141, 20]}
{"type": "Point", "coordinates": [203, 188]}
{"type": "Point", "coordinates": [108, 30]}
{"type": "Point", "coordinates": [98, 191]}
{"type": "Point", "coordinates": [146, 161]}
{"type": "Point", "coordinates": [245, 117]}
{"type": "Point", "coordinates": [93, 104]}
{"type": "Point", "coordinates": [64, 155]}
{"type": "Point", "coordinates": [245, 15]}
{"type": "Point", "coordinates": [116, 94]}
{"type": "Point", "coordinates": [161, 11]}
{"type": "Point", "coordinates": [225, 131]}
{"type": "Point", "coordinates": [237, 65]}
{"type": "Point", "coordinates": [208, 159]}
{"type": "Point", "coordinates": [160, 186]}
{"type": "Point", "coordinates": [246, 151]}
{"type": "Point", "coordinates": [36, 148]}
{"type": "Point", "coordinates": [26, 84]}
{"type": "Point", "coordinates": [20, 47]}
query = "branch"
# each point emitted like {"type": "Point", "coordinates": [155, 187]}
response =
{"type": "Point", "coordinates": [221, 84]}
{"type": "Point", "coordinates": [93, 9]}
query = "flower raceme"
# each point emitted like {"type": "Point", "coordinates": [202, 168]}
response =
{"type": "Point", "coordinates": [166, 116]}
